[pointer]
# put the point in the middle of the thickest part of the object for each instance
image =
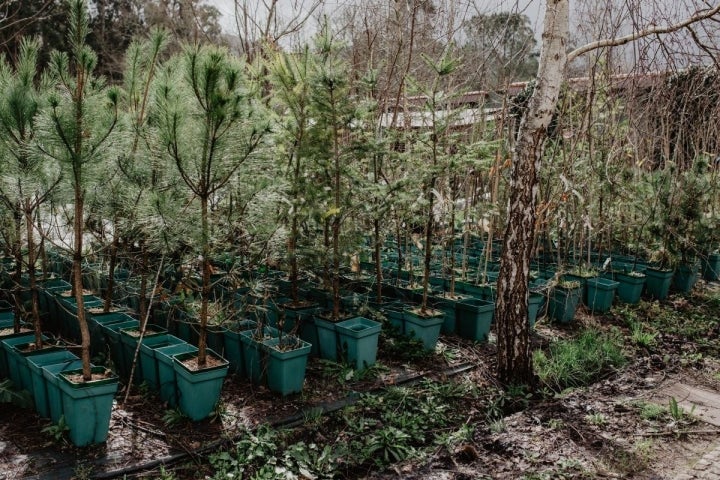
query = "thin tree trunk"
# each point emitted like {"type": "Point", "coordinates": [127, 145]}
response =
{"type": "Point", "coordinates": [428, 245]}
{"type": "Point", "coordinates": [34, 300]}
{"type": "Point", "coordinates": [378, 261]}
{"type": "Point", "coordinates": [514, 359]}
{"type": "Point", "coordinates": [205, 293]}
{"type": "Point", "coordinates": [78, 285]}
{"type": "Point", "coordinates": [17, 275]}
{"type": "Point", "coordinates": [111, 270]}
{"type": "Point", "coordinates": [144, 271]}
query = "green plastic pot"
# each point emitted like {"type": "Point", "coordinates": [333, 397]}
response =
{"type": "Point", "coordinates": [600, 294]}
{"type": "Point", "coordinates": [286, 363]}
{"type": "Point", "coordinates": [474, 317]}
{"type": "Point", "coordinates": [425, 328]}
{"type": "Point", "coordinates": [7, 319]}
{"type": "Point", "coordinates": [216, 338]}
{"type": "Point", "coordinates": [535, 303]}
{"type": "Point", "coordinates": [630, 287]}
{"type": "Point", "coordinates": [199, 391]}
{"type": "Point", "coordinates": [583, 285]}
{"type": "Point", "coordinates": [87, 407]}
{"type": "Point", "coordinates": [18, 360]}
{"type": "Point", "coordinates": [70, 327]}
{"type": "Point", "coordinates": [95, 324]}
{"type": "Point", "coordinates": [48, 303]}
{"type": "Point", "coordinates": [234, 346]}
{"type": "Point", "coordinates": [111, 331]}
{"type": "Point", "coordinates": [358, 339]}
{"type": "Point", "coordinates": [563, 303]}
{"type": "Point", "coordinates": [711, 267]}
{"type": "Point", "coordinates": [129, 339]}
{"type": "Point", "coordinates": [40, 389]}
{"type": "Point", "coordinates": [657, 282]}
{"type": "Point", "coordinates": [148, 362]}
{"type": "Point", "coordinates": [296, 317]}
{"type": "Point", "coordinates": [254, 352]}
{"type": "Point", "coordinates": [327, 338]}
{"type": "Point", "coordinates": [4, 371]}
{"type": "Point", "coordinates": [685, 277]}
{"type": "Point", "coordinates": [10, 359]}
{"type": "Point", "coordinates": [166, 370]}
{"type": "Point", "coordinates": [484, 291]}
{"type": "Point", "coordinates": [187, 328]}
{"type": "Point", "coordinates": [447, 305]}
{"type": "Point", "coordinates": [394, 315]}
{"type": "Point", "coordinates": [52, 385]}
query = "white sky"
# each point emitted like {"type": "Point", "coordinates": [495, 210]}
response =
{"type": "Point", "coordinates": [531, 8]}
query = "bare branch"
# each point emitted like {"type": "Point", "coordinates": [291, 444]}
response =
{"type": "Point", "coordinates": [654, 30]}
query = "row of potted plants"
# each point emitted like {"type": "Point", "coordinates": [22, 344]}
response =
{"type": "Point", "coordinates": [50, 374]}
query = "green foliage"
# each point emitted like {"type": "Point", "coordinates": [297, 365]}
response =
{"type": "Point", "coordinates": [598, 419]}
{"type": "Point", "coordinates": [581, 361]}
{"type": "Point", "coordinates": [387, 445]}
{"type": "Point", "coordinates": [677, 412]}
{"type": "Point", "coordinates": [57, 430]}
{"type": "Point", "coordinates": [652, 411]}
{"type": "Point", "coordinates": [505, 402]}
{"type": "Point", "coordinates": [20, 398]}
{"type": "Point", "coordinates": [174, 417]}
{"type": "Point", "coordinates": [262, 455]}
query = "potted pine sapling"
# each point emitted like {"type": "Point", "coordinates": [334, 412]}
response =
{"type": "Point", "coordinates": [27, 182]}
{"type": "Point", "coordinates": [425, 322]}
{"type": "Point", "coordinates": [210, 124]}
{"type": "Point", "coordinates": [685, 222]}
{"type": "Point", "coordinates": [28, 179]}
{"type": "Point", "coordinates": [336, 121]}
{"type": "Point", "coordinates": [291, 75]}
{"type": "Point", "coordinates": [79, 131]}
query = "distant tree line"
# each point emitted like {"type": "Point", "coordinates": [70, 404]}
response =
{"type": "Point", "coordinates": [113, 25]}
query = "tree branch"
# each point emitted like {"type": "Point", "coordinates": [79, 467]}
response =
{"type": "Point", "coordinates": [654, 30]}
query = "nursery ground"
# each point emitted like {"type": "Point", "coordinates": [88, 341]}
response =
{"type": "Point", "coordinates": [656, 417]}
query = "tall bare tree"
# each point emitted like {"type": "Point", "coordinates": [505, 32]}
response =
{"type": "Point", "coordinates": [514, 359]}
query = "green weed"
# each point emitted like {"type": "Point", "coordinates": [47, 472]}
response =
{"type": "Point", "coordinates": [19, 398]}
{"type": "Point", "coordinates": [57, 430]}
{"type": "Point", "coordinates": [677, 412]}
{"type": "Point", "coordinates": [641, 337]}
{"type": "Point", "coordinates": [579, 362]}
{"type": "Point", "coordinates": [596, 419]}
{"type": "Point", "coordinates": [173, 417]}
{"type": "Point", "coordinates": [652, 411]}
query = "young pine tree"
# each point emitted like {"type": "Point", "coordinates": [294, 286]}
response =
{"type": "Point", "coordinates": [79, 131]}
{"type": "Point", "coordinates": [210, 123]}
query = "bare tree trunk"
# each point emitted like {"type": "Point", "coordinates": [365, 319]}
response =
{"type": "Point", "coordinates": [514, 359]}
{"type": "Point", "coordinates": [17, 274]}
{"type": "Point", "coordinates": [34, 300]}
{"type": "Point", "coordinates": [78, 285]}
{"type": "Point", "coordinates": [111, 270]}
{"type": "Point", "coordinates": [202, 340]}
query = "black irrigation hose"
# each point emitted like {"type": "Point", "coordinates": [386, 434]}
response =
{"type": "Point", "coordinates": [287, 422]}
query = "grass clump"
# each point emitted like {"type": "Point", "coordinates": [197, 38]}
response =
{"type": "Point", "coordinates": [580, 361]}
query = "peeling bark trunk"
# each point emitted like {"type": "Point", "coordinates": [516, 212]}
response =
{"type": "Point", "coordinates": [514, 359]}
